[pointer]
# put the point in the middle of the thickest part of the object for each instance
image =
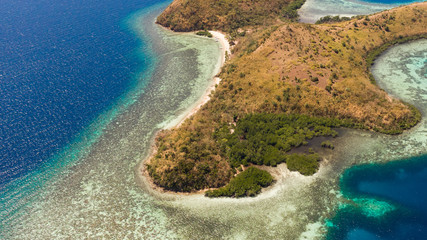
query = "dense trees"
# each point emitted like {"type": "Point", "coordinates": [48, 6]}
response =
{"type": "Point", "coordinates": [332, 19]}
{"type": "Point", "coordinates": [246, 184]}
{"type": "Point", "coordinates": [285, 68]}
{"type": "Point", "coordinates": [305, 164]}
{"type": "Point", "coordinates": [204, 33]}
{"type": "Point", "coordinates": [263, 139]}
{"type": "Point", "coordinates": [291, 10]}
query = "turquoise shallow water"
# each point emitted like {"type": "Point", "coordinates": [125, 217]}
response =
{"type": "Point", "coordinates": [59, 73]}
{"type": "Point", "coordinates": [395, 190]}
{"type": "Point", "coordinates": [62, 81]}
{"type": "Point", "coordinates": [313, 10]}
{"type": "Point", "coordinates": [397, 194]}
{"type": "Point", "coordinates": [90, 189]}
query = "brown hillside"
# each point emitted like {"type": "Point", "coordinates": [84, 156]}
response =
{"type": "Point", "coordinates": [226, 15]}
{"type": "Point", "coordinates": [318, 70]}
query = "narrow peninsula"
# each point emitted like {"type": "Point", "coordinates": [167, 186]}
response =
{"type": "Point", "coordinates": [285, 89]}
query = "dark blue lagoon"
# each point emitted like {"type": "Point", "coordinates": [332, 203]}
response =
{"type": "Point", "coordinates": [387, 200]}
{"type": "Point", "coordinates": [393, 205]}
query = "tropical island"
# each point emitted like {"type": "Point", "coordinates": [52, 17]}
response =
{"type": "Point", "coordinates": [285, 85]}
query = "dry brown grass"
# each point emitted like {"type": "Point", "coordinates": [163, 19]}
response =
{"type": "Point", "coordinates": [280, 76]}
{"type": "Point", "coordinates": [226, 15]}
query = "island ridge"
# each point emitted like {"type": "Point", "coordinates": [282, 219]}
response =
{"type": "Point", "coordinates": [317, 73]}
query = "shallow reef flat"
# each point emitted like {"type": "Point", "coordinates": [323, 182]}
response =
{"type": "Point", "coordinates": [313, 10]}
{"type": "Point", "coordinates": [298, 207]}
{"type": "Point", "coordinates": [99, 196]}
{"type": "Point", "coordinates": [319, 70]}
{"type": "Point", "coordinates": [386, 200]}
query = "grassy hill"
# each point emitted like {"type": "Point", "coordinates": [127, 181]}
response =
{"type": "Point", "coordinates": [226, 15]}
{"type": "Point", "coordinates": [317, 70]}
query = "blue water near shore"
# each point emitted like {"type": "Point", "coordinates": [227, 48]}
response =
{"type": "Point", "coordinates": [105, 79]}
{"type": "Point", "coordinates": [66, 71]}
{"type": "Point", "coordinates": [387, 200]}
{"type": "Point", "coordinates": [399, 183]}
{"type": "Point", "coordinates": [62, 65]}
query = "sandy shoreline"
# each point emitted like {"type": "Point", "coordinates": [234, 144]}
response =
{"type": "Point", "coordinates": [283, 176]}
{"type": "Point", "coordinates": [142, 174]}
{"type": "Point", "coordinates": [225, 51]}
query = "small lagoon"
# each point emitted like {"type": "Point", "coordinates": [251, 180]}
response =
{"type": "Point", "coordinates": [397, 188]}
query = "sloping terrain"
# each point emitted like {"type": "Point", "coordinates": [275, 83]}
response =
{"type": "Point", "coordinates": [292, 68]}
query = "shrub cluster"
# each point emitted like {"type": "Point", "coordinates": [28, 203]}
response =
{"type": "Point", "coordinates": [204, 33]}
{"type": "Point", "coordinates": [332, 19]}
{"type": "Point", "coordinates": [305, 164]}
{"type": "Point", "coordinates": [264, 139]}
{"type": "Point", "coordinates": [327, 144]}
{"type": "Point", "coordinates": [291, 10]}
{"type": "Point", "coordinates": [246, 184]}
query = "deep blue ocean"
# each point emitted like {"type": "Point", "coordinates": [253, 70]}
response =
{"type": "Point", "coordinates": [62, 64]}
{"type": "Point", "coordinates": [399, 183]}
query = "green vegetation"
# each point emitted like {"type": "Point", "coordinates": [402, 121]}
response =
{"type": "Point", "coordinates": [264, 139]}
{"type": "Point", "coordinates": [327, 144]}
{"type": "Point", "coordinates": [305, 164]}
{"type": "Point", "coordinates": [291, 10]}
{"type": "Point", "coordinates": [278, 70]}
{"type": "Point", "coordinates": [332, 19]}
{"type": "Point", "coordinates": [246, 184]}
{"type": "Point", "coordinates": [204, 33]}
